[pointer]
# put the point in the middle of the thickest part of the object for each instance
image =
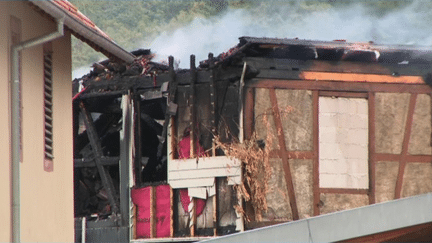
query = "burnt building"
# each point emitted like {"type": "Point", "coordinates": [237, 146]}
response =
{"type": "Point", "coordinates": [272, 131]}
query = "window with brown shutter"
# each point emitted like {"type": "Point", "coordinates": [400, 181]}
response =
{"type": "Point", "coordinates": [48, 108]}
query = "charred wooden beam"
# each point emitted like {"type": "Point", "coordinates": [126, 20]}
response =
{"type": "Point", "coordinates": [137, 139]}
{"type": "Point", "coordinates": [97, 148]}
{"type": "Point", "coordinates": [171, 102]}
{"type": "Point", "coordinates": [119, 85]}
{"type": "Point", "coordinates": [193, 132]}
{"type": "Point", "coordinates": [213, 99]}
{"type": "Point", "coordinates": [108, 93]}
{"type": "Point", "coordinates": [105, 124]}
{"type": "Point", "coordinates": [339, 67]}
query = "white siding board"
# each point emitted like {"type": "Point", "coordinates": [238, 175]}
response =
{"type": "Point", "coordinates": [189, 183]}
{"type": "Point", "coordinates": [204, 173]}
{"type": "Point", "coordinates": [188, 173]}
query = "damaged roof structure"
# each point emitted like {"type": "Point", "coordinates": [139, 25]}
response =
{"type": "Point", "coordinates": [272, 131]}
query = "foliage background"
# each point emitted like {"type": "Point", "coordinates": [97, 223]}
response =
{"type": "Point", "coordinates": [136, 24]}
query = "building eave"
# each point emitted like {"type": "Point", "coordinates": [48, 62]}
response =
{"type": "Point", "coordinates": [97, 39]}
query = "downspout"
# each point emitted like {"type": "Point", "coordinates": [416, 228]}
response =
{"type": "Point", "coordinates": [16, 124]}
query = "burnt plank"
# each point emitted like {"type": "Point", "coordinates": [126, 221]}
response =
{"type": "Point", "coordinates": [183, 77]}
{"type": "Point", "coordinates": [340, 67]}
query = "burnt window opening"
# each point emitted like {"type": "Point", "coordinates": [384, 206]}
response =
{"type": "Point", "coordinates": [48, 103]}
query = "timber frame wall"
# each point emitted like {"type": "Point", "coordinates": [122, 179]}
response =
{"type": "Point", "coordinates": [339, 89]}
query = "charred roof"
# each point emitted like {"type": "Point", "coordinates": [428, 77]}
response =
{"type": "Point", "coordinates": [338, 50]}
{"type": "Point", "coordinates": [273, 48]}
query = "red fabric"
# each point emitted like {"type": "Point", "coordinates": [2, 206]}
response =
{"type": "Point", "coordinates": [141, 198]}
{"type": "Point", "coordinates": [184, 153]}
{"type": "Point", "coordinates": [184, 148]}
{"type": "Point", "coordinates": [163, 211]}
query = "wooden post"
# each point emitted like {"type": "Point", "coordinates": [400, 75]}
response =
{"type": "Point", "coordinates": [315, 135]}
{"type": "Point", "coordinates": [171, 213]}
{"type": "Point", "coordinates": [192, 216]}
{"type": "Point", "coordinates": [169, 118]}
{"type": "Point", "coordinates": [170, 132]}
{"type": "Point", "coordinates": [215, 219]}
{"type": "Point", "coordinates": [137, 135]}
{"type": "Point", "coordinates": [213, 104]}
{"type": "Point", "coordinates": [152, 212]}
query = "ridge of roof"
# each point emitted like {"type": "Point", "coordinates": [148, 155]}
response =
{"type": "Point", "coordinates": [332, 44]}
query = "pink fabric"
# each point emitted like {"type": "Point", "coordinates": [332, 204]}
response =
{"type": "Point", "coordinates": [163, 211]}
{"type": "Point", "coordinates": [184, 153]}
{"type": "Point", "coordinates": [141, 198]}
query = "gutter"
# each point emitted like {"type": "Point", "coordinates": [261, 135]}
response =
{"type": "Point", "coordinates": [16, 124]}
{"type": "Point", "coordinates": [88, 33]}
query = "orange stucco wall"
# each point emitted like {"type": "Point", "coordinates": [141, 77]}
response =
{"type": "Point", "coordinates": [46, 197]}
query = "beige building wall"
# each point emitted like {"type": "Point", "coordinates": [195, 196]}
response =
{"type": "Point", "coordinates": [46, 197]}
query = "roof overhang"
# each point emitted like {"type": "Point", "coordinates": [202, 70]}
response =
{"type": "Point", "coordinates": [83, 31]}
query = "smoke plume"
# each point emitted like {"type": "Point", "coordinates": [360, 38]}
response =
{"type": "Point", "coordinates": [354, 23]}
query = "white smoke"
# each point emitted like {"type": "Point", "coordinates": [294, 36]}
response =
{"type": "Point", "coordinates": [81, 71]}
{"type": "Point", "coordinates": [409, 25]}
